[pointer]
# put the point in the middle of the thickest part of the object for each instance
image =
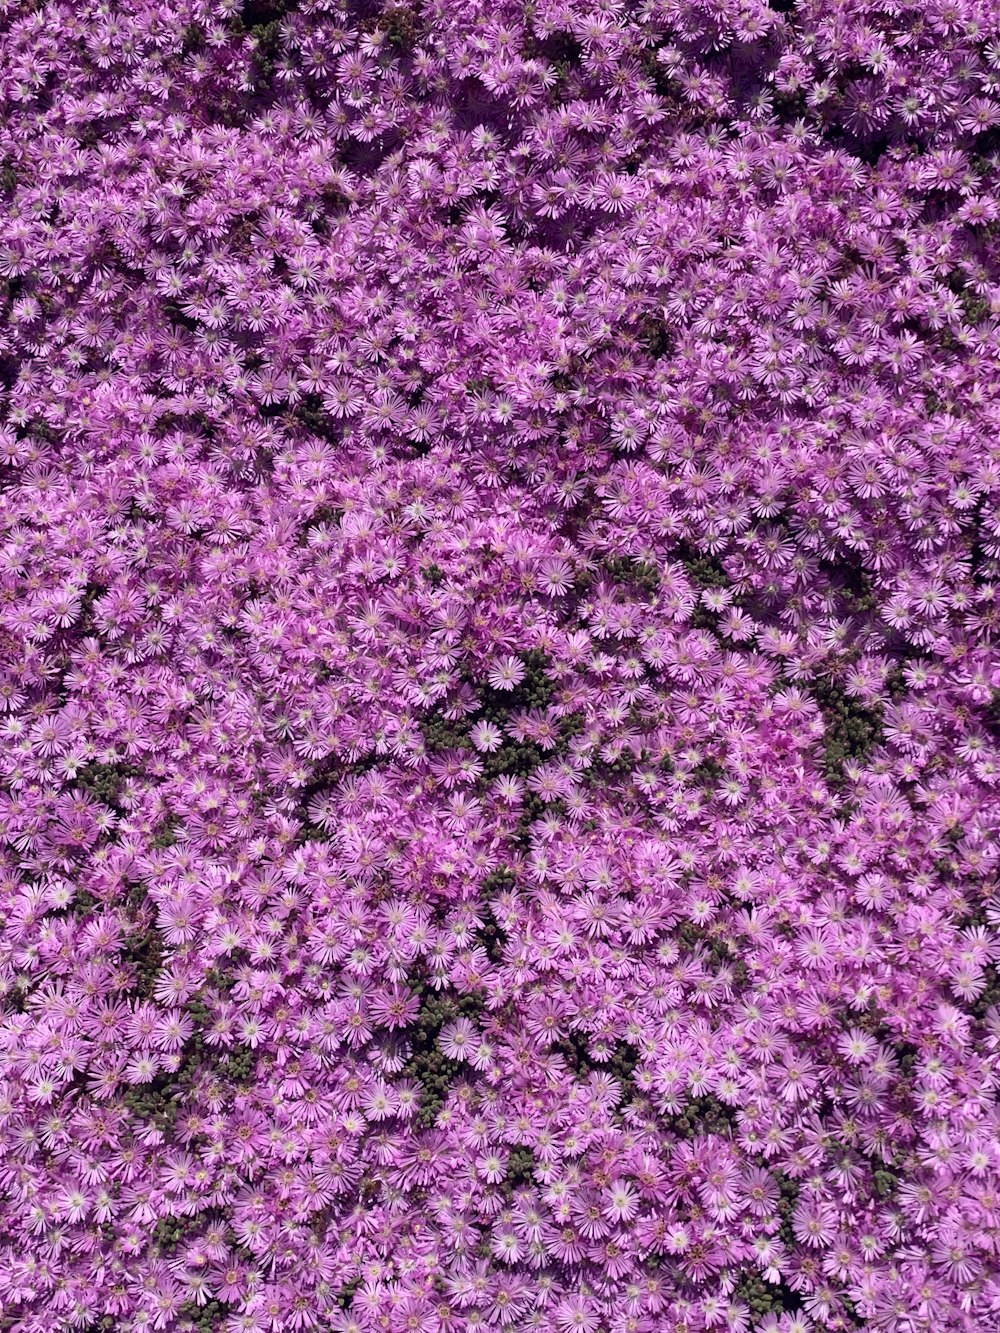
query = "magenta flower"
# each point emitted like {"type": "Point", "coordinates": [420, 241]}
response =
{"type": "Point", "coordinates": [499, 691]}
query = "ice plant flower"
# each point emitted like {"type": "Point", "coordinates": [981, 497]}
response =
{"type": "Point", "coordinates": [499, 675]}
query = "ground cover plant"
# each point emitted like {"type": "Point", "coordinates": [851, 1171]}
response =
{"type": "Point", "coordinates": [499, 688]}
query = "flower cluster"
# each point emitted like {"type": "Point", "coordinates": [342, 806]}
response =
{"type": "Point", "coordinates": [499, 672]}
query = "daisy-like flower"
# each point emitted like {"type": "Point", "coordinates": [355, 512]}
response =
{"type": "Point", "coordinates": [509, 789]}
{"type": "Point", "coordinates": [506, 672]}
{"type": "Point", "coordinates": [577, 1314]}
{"type": "Point", "coordinates": [457, 1039]}
{"type": "Point", "coordinates": [856, 1046]}
{"type": "Point", "coordinates": [622, 1201]}
{"type": "Point", "coordinates": [486, 737]}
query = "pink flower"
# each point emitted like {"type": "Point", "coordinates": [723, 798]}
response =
{"type": "Point", "coordinates": [456, 1039]}
{"type": "Point", "coordinates": [505, 673]}
{"type": "Point", "coordinates": [622, 1201]}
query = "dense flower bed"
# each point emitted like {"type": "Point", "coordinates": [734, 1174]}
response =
{"type": "Point", "coordinates": [499, 598]}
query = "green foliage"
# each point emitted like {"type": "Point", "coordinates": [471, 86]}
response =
{"type": "Point", "coordinates": [532, 809]}
{"type": "Point", "coordinates": [704, 1115]}
{"type": "Point", "coordinates": [498, 882]}
{"type": "Point", "coordinates": [171, 1231]}
{"type": "Point", "coordinates": [895, 683]}
{"type": "Point", "coordinates": [573, 724]}
{"type": "Point", "coordinates": [160, 1099]}
{"type": "Point", "coordinates": [765, 1298]}
{"type": "Point", "coordinates": [166, 835]}
{"type": "Point", "coordinates": [518, 759]}
{"type": "Point", "coordinates": [427, 1065]}
{"type": "Point", "coordinates": [638, 573]}
{"type": "Point", "coordinates": [345, 1297]}
{"type": "Point", "coordinates": [313, 417]}
{"type": "Point", "coordinates": [267, 37]}
{"type": "Point", "coordinates": [401, 24]}
{"type": "Point", "coordinates": [885, 1183]}
{"type": "Point", "coordinates": [492, 935]}
{"type": "Point", "coordinates": [850, 1313]}
{"type": "Point", "coordinates": [718, 950]}
{"type": "Point", "coordinates": [653, 332]}
{"type": "Point", "coordinates": [441, 734]}
{"type": "Point", "coordinates": [311, 833]}
{"type": "Point", "coordinates": [104, 781]}
{"type": "Point", "coordinates": [434, 575]}
{"type": "Point", "coordinates": [603, 771]}
{"type": "Point", "coordinates": [325, 773]}
{"type": "Point", "coordinates": [864, 603]}
{"type": "Point", "coordinates": [534, 691]}
{"type": "Point", "coordinates": [991, 714]}
{"type": "Point", "coordinates": [157, 1101]}
{"type": "Point", "coordinates": [977, 308]}
{"type": "Point", "coordinates": [852, 583]}
{"type": "Point", "coordinates": [207, 1318]}
{"type": "Point", "coordinates": [785, 1207]}
{"type": "Point", "coordinates": [575, 1050]}
{"type": "Point", "coordinates": [852, 730]}
{"type": "Point", "coordinates": [990, 995]}
{"type": "Point", "coordinates": [201, 1014]}
{"type": "Point", "coordinates": [168, 1231]}
{"type": "Point", "coordinates": [704, 571]}
{"type": "Point", "coordinates": [514, 758]}
{"type": "Point", "coordinates": [493, 938]}
{"type": "Point", "coordinates": [145, 953]}
{"type": "Point", "coordinates": [219, 981]}
{"type": "Point", "coordinates": [40, 429]}
{"type": "Point", "coordinates": [621, 1063]}
{"type": "Point", "coordinates": [520, 1169]}
{"type": "Point", "coordinates": [908, 1056]}
{"type": "Point", "coordinates": [708, 772]}
{"type": "Point", "coordinates": [238, 1063]}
